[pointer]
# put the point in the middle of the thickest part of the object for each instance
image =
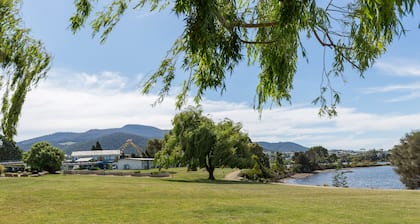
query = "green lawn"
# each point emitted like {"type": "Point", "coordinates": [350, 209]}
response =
{"type": "Point", "coordinates": [189, 198]}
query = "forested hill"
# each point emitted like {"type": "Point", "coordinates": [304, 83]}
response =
{"type": "Point", "coordinates": [282, 147]}
{"type": "Point", "coordinates": [111, 138]}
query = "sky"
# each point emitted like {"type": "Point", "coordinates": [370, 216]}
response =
{"type": "Point", "coordinates": [95, 86]}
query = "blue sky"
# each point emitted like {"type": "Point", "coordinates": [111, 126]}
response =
{"type": "Point", "coordinates": [97, 86]}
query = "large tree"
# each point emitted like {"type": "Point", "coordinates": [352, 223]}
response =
{"type": "Point", "coordinates": [317, 156]}
{"type": "Point", "coordinates": [43, 156]}
{"type": "Point", "coordinates": [406, 159]}
{"type": "Point", "coordinates": [8, 150]}
{"type": "Point", "coordinates": [218, 33]}
{"type": "Point", "coordinates": [196, 141]}
{"type": "Point", "coordinates": [23, 62]}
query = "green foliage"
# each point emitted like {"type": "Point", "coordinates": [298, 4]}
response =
{"type": "Point", "coordinates": [406, 159]}
{"type": "Point", "coordinates": [97, 146]}
{"type": "Point", "coordinates": [279, 166]}
{"type": "Point", "coordinates": [9, 151]}
{"type": "Point", "coordinates": [261, 169]}
{"type": "Point", "coordinates": [339, 179]}
{"type": "Point", "coordinates": [23, 62]}
{"type": "Point", "coordinates": [371, 156]}
{"type": "Point", "coordinates": [153, 146]}
{"type": "Point", "coordinates": [217, 33]}
{"type": "Point", "coordinates": [44, 156]}
{"type": "Point", "coordinates": [196, 142]}
{"type": "Point", "coordinates": [301, 163]}
{"type": "Point", "coordinates": [317, 156]}
{"type": "Point", "coordinates": [332, 158]}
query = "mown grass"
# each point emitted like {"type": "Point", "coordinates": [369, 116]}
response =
{"type": "Point", "coordinates": [187, 197]}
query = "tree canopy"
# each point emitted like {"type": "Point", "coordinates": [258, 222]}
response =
{"type": "Point", "coordinates": [97, 146]}
{"type": "Point", "coordinates": [153, 146]}
{"type": "Point", "coordinates": [406, 159]}
{"type": "Point", "coordinates": [218, 34]}
{"type": "Point", "coordinates": [23, 62]}
{"type": "Point", "coordinates": [197, 142]}
{"type": "Point", "coordinates": [9, 151]}
{"type": "Point", "coordinates": [44, 156]}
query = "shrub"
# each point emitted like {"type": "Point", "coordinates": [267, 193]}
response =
{"type": "Point", "coordinates": [2, 168]}
{"type": "Point", "coordinates": [340, 179]}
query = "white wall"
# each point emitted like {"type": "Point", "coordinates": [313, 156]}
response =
{"type": "Point", "coordinates": [131, 164]}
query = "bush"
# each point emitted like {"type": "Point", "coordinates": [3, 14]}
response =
{"type": "Point", "coordinates": [2, 168]}
{"type": "Point", "coordinates": [340, 179]}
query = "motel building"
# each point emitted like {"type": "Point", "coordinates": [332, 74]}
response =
{"type": "Point", "coordinates": [106, 159]}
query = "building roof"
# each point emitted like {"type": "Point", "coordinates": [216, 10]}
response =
{"type": "Point", "coordinates": [87, 159]}
{"type": "Point", "coordinates": [139, 159]}
{"type": "Point", "coordinates": [96, 153]}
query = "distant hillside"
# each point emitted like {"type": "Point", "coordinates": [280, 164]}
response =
{"type": "Point", "coordinates": [282, 147]}
{"type": "Point", "coordinates": [111, 138]}
{"type": "Point", "coordinates": [111, 141]}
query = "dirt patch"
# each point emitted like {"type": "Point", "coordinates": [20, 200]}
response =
{"type": "Point", "coordinates": [234, 176]}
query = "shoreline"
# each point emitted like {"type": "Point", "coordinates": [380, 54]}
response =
{"type": "Point", "coordinates": [304, 175]}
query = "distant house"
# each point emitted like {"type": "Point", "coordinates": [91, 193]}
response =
{"type": "Point", "coordinates": [103, 158]}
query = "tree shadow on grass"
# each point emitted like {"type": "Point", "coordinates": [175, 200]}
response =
{"type": "Point", "coordinates": [207, 181]}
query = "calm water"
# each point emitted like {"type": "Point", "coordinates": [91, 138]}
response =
{"type": "Point", "coordinates": [382, 177]}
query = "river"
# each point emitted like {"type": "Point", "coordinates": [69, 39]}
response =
{"type": "Point", "coordinates": [379, 177]}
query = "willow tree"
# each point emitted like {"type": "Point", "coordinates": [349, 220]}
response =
{"type": "Point", "coordinates": [406, 159]}
{"type": "Point", "coordinates": [219, 33]}
{"type": "Point", "coordinates": [197, 142]}
{"type": "Point", "coordinates": [23, 62]}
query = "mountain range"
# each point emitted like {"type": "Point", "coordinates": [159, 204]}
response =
{"type": "Point", "coordinates": [114, 138]}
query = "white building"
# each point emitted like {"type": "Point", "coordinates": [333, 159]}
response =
{"type": "Point", "coordinates": [96, 155]}
{"type": "Point", "coordinates": [135, 164]}
{"type": "Point", "coordinates": [104, 158]}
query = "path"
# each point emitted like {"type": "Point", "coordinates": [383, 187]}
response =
{"type": "Point", "coordinates": [233, 176]}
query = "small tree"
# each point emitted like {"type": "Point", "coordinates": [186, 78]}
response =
{"type": "Point", "coordinates": [278, 165]}
{"type": "Point", "coordinates": [406, 159]}
{"type": "Point", "coordinates": [44, 156]}
{"type": "Point", "coordinates": [261, 168]}
{"type": "Point", "coordinates": [340, 179]}
{"type": "Point", "coordinates": [97, 146]}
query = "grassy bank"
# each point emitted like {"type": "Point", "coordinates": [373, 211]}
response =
{"type": "Point", "coordinates": [189, 198]}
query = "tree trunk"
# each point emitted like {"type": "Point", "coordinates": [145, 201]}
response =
{"type": "Point", "coordinates": [210, 168]}
{"type": "Point", "coordinates": [211, 173]}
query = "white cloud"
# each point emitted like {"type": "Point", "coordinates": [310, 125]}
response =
{"type": "Point", "coordinates": [408, 92]}
{"type": "Point", "coordinates": [391, 88]}
{"type": "Point", "coordinates": [72, 101]}
{"type": "Point", "coordinates": [400, 67]}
